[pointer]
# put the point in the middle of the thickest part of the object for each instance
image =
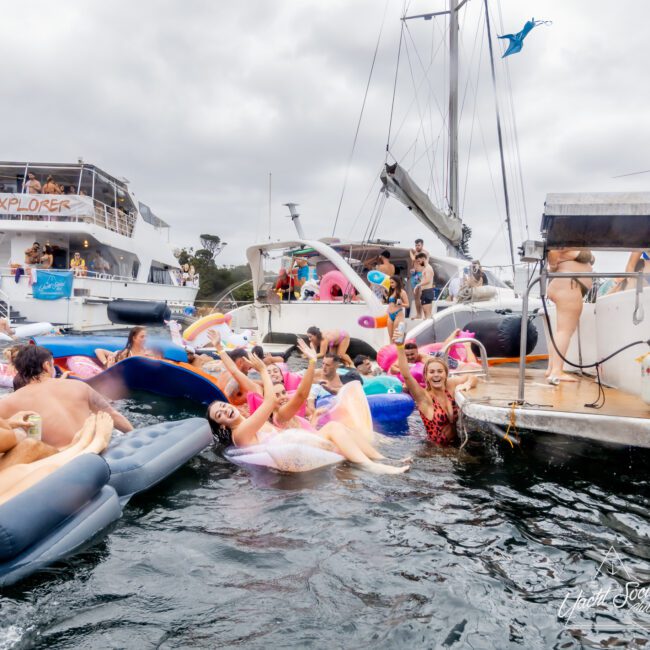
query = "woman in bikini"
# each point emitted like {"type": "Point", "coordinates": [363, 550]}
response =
{"type": "Point", "coordinates": [231, 428]}
{"type": "Point", "coordinates": [568, 295]}
{"type": "Point", "coordinates": [435, 402]}
{"type": "Point", "coordinates": [398, 300]}
{"type": "Point", "coordinates": [336, 341]}
{"type": "Point", "coordinates": [135, 347]}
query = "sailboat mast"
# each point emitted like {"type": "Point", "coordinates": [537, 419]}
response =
{"type": "Point", "coordinates": [454, 206]}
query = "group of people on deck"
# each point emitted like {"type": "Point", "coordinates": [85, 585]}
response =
{"type": "Point", "coordinates": [42, 257]}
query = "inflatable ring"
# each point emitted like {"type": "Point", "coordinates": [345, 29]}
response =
{"type": "Point", "coordinates": [335, 279]}
{"type": "Point", "coordinates": [373, 322]}
{"type": "Point", "coordinates": [83, 367]}
{"type": "Point", "coordinates": [377, 277]}
{"type": "Point", "coordinates": [389, 407]}
{"type": "Point", "coordinates": [204, 324]}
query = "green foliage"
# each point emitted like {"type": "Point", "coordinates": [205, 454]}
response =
{"type": "Point", "coordinates": [213, 279]}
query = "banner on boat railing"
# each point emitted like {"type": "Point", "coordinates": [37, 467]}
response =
{"type": "Point", "coordinates": [52, 285]}
{"type": "Point", "coordinates": [45, 205]}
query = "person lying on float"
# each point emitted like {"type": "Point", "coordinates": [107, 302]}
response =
{"type": "Point", "coordinates": [93, 438]}
{"type": "Point", "coordinates": [63, 407]}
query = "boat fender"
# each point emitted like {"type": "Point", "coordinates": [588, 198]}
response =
{"type": "Point", "coordinates": [501, 336]}
{"type": "Point", "coordinates": [138, 312]}
{"type": "Point", "coordinates": [335, 279]}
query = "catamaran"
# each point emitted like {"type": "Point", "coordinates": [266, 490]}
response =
{"type": "Point", "coordinates": [280, 321]}
{"type": "Point", "coordinates": [81, 213]}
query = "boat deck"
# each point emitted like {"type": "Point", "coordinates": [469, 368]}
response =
{"type": "Point", "coordinates": [623, 418]}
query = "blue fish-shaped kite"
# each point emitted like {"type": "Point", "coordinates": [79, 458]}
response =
{"type": "Point", "coordinates": [517, 40]}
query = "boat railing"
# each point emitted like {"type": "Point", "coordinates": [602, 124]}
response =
{"type": "Point", "coordinates": [5, 305]}
{"type": "Point", "coordinates": [485, 369]}
{"type": "Point", "coordinates": [543, 278]}
{"type": "Point", "coordinates": [101, 214]}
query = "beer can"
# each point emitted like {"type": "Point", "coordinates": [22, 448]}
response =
{"type": "Point", "coordinates": [34, 426]}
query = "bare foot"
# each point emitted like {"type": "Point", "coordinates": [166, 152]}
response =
{"type": "Point", "coordinates": [380, 468]}
{"type": "Point", "coordinates": [103, 433]}
{"type": "Point", "coordinates": [566, 377]}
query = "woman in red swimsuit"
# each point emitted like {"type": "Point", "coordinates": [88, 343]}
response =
{"type": "Point", "coordinates": [436, 403]}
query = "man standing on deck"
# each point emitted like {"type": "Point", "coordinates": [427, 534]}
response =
{"type": "Point", "coordinates": [415, 275]}
{"type": "Point", "coordinates": [63, 405]}
{"type": "Point", "coordinates": [426, 283]}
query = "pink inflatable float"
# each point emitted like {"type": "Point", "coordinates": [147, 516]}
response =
{"type": "Point", "coordinates": [335, 279]}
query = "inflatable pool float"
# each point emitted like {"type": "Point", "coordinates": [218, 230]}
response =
{"type": "Point", "coordinates": [142, 458]}
{"type": "Point", "coordinates": [387, 407]}
{"type": "Point", "coordinates": [178, 380]}
{"type": "Point", "coordinates": [68, 346]}
{"type": "Point", "coordinates": [55, 517]}
{"type": "Point", "coordinates": [381, 385]}
{"type": "Point", "coordinates": [293, 450]}
{"type": "Point", "coordinates": [29, 330]}
{"type": "Point", "coordinates": [197, 333]}
{"type": "Point", "coordinates": [335, 279]}
{"type": "Point", "coordinates": [63, 512]}
{"type": "Point", "coordinates": [83, 367]}
{"type": "Point", "coordinates": [7, 375]}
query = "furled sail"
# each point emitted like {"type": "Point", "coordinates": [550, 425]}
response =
{"type": "Point", "coordinates": [448, 227]}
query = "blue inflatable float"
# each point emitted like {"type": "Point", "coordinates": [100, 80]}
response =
{"type": "Point", "coordinates": [385, 407]}
{"type": "Point", "coordinates": [68, 346]}
{"type": "Point", "coordinates": [68, 508]}
{"type": "Point", "coordinates": [158, 377]}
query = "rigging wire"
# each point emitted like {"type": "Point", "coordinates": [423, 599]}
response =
{"type": "Point", "coordinates": [363, 106]}
{"type": "Point", "coordinates": [392, 104]}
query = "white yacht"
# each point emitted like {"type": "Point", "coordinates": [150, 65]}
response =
{"type": "Point", "coordinates": [125, 247]}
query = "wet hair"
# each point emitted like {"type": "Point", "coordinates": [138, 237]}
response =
{"type": "Point", "coordinates": [124, 353]}
{"type": "Point", "coordinates": [351, 375]}
{"type": "Point", "coordinates": [258, 350]}
{"type": "Point", "coordinates": [314, 331]}
{"type": "Point", "coordinates": [419, 241]}
{"type": "Point", "coordinates": [410, 345]}
{"type": "Point", "coordinates": [385, 254]}
{"type": "Point", "coordinates": [221, 433]}
{"type": "Point", "coordinates": [237, 353]}
{"type": "Point", "coordinates": [431, 360]}
{"type": "Point", "coordinates": [420, 256]}
{"type": "Point", "coordinates": [29, 363]}
{"type": "Point", "coordinates": [334, 357]}
{"type": "Point", "coordinates": [359, 359]}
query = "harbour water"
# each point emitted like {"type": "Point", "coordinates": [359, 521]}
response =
{"type": "Point", "coordinates": [475, 548]}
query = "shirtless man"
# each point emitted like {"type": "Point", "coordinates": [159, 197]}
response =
{"type": "Point", "coordinates": [330, 384]}
{"type": "Point", "coordinates": [415, 275]}
{"type": "Point", "coordinates": [33, 254]}
{"type": "Point", "coordinates": [383, 263]}
{"type": "Point", "coordinates": [63, 405]}
{"type": "Point", "coordinates": [426, 283]}
{"type": "Point", "coordinates": [32, 186]}
{"type": "Point", "coordinates": [51, 187]}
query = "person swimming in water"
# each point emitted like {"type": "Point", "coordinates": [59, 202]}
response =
{"type": "Point", "coordinates": [231, 428]}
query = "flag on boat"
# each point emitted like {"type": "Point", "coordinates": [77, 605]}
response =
{"type": "Point", "coordinates": [517, 40]}
{"type": "Point", "coordinates": [52, 285]}
{"type": "Point", "coordinates": [447, 227]}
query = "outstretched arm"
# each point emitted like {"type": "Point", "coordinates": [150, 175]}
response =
{"type": "Point", "coordinates": [417, 392]}
{"type": "Point", "coordinates": [246, 433]}
{"type": "Point", "coordinates": [98, 404]}
{"type": "Point", "coordinates": [461, 383]}
{"type": "Point", "coordinates": [292, 407]}
{"type": "Point", "coordinates": [245, 383]}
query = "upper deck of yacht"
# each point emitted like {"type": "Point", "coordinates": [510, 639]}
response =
{"type": "Point", "coordinates": [70, 193]}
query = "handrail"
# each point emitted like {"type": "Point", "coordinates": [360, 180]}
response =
{"type": "Point", "coordinates": [482, 350]}
{"type": "Point", "coordinates": [5, 309]}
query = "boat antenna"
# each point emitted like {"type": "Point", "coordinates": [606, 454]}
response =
{"type": "Point", "coordinates": [500, 137]}
{"type": "Point", "coordinates": [295, 217]}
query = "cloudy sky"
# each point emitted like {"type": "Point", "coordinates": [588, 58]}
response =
{"type": "Point", "coordinates": [197, 101]}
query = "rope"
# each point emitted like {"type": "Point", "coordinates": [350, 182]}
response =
{"type": "Point", "coordinates": [363, 106]}
{"type": "Point", "coordinates": [512, 426]}
{"type": "Point", "coordinates": [392, 104]}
